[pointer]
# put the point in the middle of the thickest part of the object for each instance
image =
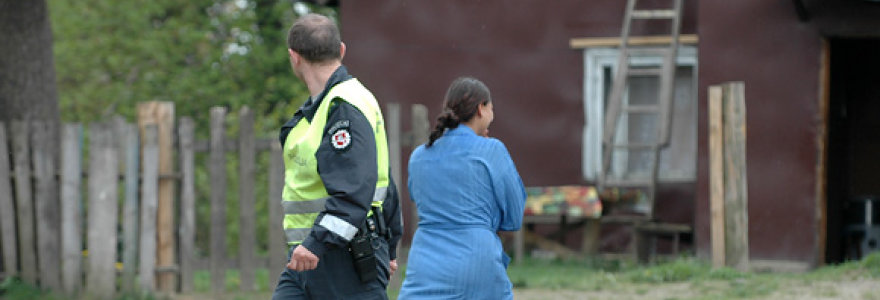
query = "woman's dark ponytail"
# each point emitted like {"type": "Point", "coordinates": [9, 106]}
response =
{"type": "Point", "coordinates": [462, 101]}
{"type": "Point", "coordinates": [447, 119]}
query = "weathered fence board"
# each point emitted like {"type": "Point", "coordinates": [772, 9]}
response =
{"type": "Point", "coordinates": [7, 211]}
{"type": "Point", "coordinates": [71, 185]}
{"type": "Point", "coordinates": [149, 203]}
{"type": "Point", "coordinates": [217, 170]}
{"type": "Point", "coordinates": [48, 220]}
{"type": "Point", "coordinates": [102, 211]}
{"type": "Point", "coordinates": [25, 210]}
{"type": "Point", "coordinates": [187, 203]}
{"type": "Point", "coordinates": [277, 241]}
{"type": "Point", "coordinates": [126, 135]}
{"type": "Point", "coordinates": [246, 173]}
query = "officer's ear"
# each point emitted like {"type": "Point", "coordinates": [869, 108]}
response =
{"type": "Point", "coordinates": [341, 50]}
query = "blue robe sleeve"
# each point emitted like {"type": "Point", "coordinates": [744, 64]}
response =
{"type": "Point", "coordinates": [507, 185]}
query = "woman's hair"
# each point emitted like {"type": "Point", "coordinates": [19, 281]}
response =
{"type": "Point", "coordinates": [462, 101]}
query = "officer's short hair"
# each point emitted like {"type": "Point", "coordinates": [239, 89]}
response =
{"type": "Point", "coordinates": [315, 37]}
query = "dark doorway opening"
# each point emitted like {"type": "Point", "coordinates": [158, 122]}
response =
{"type": "Point", "coordinates": [853, 165]}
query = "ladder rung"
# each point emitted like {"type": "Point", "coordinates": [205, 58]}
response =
{"type": "Point", "coordinates": [629, 183]}
{"type": "Point", "coordinates": [654, 14]}
{"type": "Point", "coordinates": [645, 72]}
{"type": "Point", "coordinates": [653, 51]}
{"type": "Point", "coordinates": [642, 109]}
{"type": "Point", "coordinates": [635, 146]}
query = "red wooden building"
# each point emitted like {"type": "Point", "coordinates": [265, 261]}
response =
{"type": "Point", "coordinates": [810, 69]}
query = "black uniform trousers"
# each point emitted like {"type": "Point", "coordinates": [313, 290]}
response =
{"type": "Point", "coordinates": [335, 277]}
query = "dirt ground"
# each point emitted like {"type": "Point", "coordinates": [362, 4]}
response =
{"type": "Point", "coordinates": [867, 289]}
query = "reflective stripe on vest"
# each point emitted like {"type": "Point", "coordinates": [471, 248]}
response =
{"type": "Point", "coordinates": [304, 195]}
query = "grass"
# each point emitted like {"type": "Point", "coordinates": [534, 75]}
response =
{"type": "Point", "coordinates": [697, 278]}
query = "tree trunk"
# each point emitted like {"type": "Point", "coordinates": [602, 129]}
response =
{"type": "Point", "coordinates": [27, 67]}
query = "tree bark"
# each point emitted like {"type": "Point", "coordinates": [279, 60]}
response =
{"type": "Point", "coordinates": [27, 67]}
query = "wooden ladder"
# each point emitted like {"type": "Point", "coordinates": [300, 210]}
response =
{"type": "Point", "coordinates": [655, 111]}
{"type": "Point", "coordinates": [619, 109]}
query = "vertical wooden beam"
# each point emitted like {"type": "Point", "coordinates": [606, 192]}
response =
{"type": "Point", "coordinates": [149, 205]}
{"type": "Point", "coordinates": [187, 203]}
{"type": "Point", "coordinates": [716, 175]}
{"type": "Point", "coordinates": [822, 153]}
{"type": "Point", "coordinates": [277, 240]}
{"type": "Point", "coordinates": [102, 211]}
{"type": "Point", "coordinates": [217, 170]}
{"type": "Point", "coordinates": [736, 188]}
{"type": "Point", "coordinates": [7, 210]}
{"type": "Point", "coordinates": [127, 137]}
{"type": "Point", "coordinates": [25, 209]}
{"type": "Point", "coordinates": [162, 114]}
{"type": "Point", "coordinates": [71, 200]}
{"type": "Point", "coordinates": [247, 223]}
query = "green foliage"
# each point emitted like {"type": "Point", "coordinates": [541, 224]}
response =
{"type": "Point", "coordinates": [198, 54]}
{"type": "Point", "coordinates": [13, 288]}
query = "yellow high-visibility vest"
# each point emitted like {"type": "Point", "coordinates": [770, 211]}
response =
{"type": "Point", "coordinates": [304, 194]}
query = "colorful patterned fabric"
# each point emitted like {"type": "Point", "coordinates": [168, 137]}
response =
{"type": "Point", "coordinates": [571, 200]}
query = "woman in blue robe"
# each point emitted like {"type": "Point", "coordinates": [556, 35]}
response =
{"type": "Point", "coordinates": [466, 189]}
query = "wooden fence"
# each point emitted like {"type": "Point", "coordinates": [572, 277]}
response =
{"type": "Point", "coordinates": [64, 226]}
{"type": "Point", "coordinates": [62, 219]}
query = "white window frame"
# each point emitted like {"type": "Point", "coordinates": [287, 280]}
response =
{"type": "Point", "coordinates": [595, 62]}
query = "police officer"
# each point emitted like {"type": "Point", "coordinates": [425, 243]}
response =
{"type": "Point", "coordinates": [341, 210]}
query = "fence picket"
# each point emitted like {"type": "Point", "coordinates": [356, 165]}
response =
{"type": "Point", "coordinates": [102, 211]}
{"type": "Point", "coordinates": [7, 211]}
{"type": "Point", "coordinates": [48, 218]}
{"type": "Point", "coordinates": [126, 135]}
{"type": "Point", "coordinates": [187, 203]}
{"type": "Point", "coordinates": [71, 185]}
{"type": "Point", "coordinates": [149, 205]}
{"type": "Point", "coordinates": [217, 169]}
{"type": "Point", "coordinates": [246, 173]}
{"type": "Point", "coordinates": [277, 240]}
{"type": "Point", "coordinates": [25, 210]}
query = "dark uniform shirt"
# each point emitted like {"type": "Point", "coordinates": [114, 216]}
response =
{"type": "Point", "coordinates": [349, 174]}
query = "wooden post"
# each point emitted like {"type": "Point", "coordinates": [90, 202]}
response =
{"type": "Point", "coordinates": [716, 175]}
{"type": "Point", "coordinates": [127, 137]}
{"type": "Point", "coordinates": [421, 131]}
{"type": "Point", "coordinates": [393, 132]}
{"type": "Point", "coordinates": [149, 205]}
{"type": "Point", "coordinates": [25, 210]}
{"type": "Point", "coordinates": [246, 173]}
{"type": "Point", "coordinates": [187, 203]}
{"type": "Point", "coordinates": [7, 211]}
{"type": "Point", "coordinates": [102, 212]}
{"type": "Point", "coordinates": [735, 187]}
{"type": "Point", "coordinates": [729, 192]}
{"type": "Point", "coordinates": [161, 113]}
{"type": "Point", "coordinates": [71, 199]}
{"type": "Point", "coordinates": [217, 170]}
{"type": "Point", "coordinates": [277, 240]}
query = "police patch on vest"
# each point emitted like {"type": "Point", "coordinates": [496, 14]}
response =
{"type": "Point", "coordinates": [341, 139]}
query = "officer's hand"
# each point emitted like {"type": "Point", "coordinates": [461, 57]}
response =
{"type": "Point", "coordinates": [393, 266]}
{"type": "Point", "coordinates": [302, 259]}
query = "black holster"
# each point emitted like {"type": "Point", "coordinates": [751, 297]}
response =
{"type": "Point", "coordinates": [361, 249]}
